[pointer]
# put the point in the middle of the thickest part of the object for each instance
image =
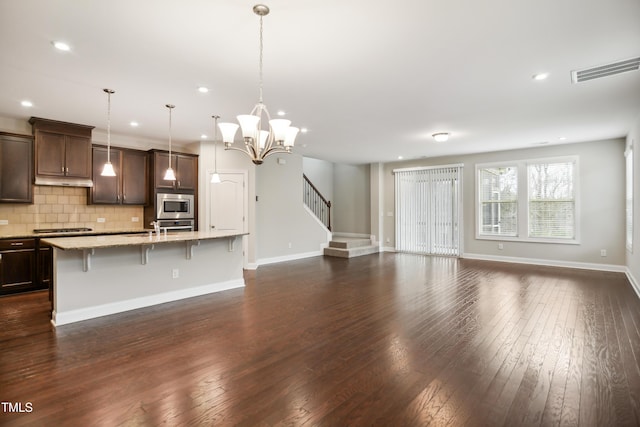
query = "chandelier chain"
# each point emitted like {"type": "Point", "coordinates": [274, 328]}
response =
{"type": "Point", "coordinates": [260, 61]}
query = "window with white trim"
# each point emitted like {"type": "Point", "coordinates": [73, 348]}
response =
{"type": "Point", "coordinates": [629, 196]}
{"type": "Point", "coordinates": [498, 195]}
{"type": "Point", "coordinates": [528, 200]}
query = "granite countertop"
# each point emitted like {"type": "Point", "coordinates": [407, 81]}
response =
{"type": "Point", "coordinates": [32, 234]}
{"type": "Point", "coordinates": [108, 241]}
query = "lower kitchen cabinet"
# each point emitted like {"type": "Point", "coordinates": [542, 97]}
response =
{"type": "Point", "coordinates": [24, 266]}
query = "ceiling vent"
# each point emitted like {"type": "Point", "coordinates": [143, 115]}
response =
{"type": "Point", "coordinates": [578, 76]}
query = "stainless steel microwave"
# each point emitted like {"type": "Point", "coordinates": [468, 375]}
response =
{"type": "Point", "coordinates": [174, 206]}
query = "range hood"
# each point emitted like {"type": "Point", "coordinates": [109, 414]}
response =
{"type": "Point", "coordinates": [66, 182]}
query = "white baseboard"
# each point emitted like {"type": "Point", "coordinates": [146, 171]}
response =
{"type": "Point", "coordinates": [634, 283]}
{"type": "Point", "coordinates": [78, 315]}
{"type": "Point", "coordinates": [387, 249]}
{"type": "Point", "coordinates": [292, 257]}
{"type": "Point", "coordinates": [547, 262]}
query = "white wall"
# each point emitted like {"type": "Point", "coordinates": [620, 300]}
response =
{"type": "Point", "coordinates": [284, 228]}
{"type": "Point", "coordinates": [633, 257]}
{"type": "Point", "coordinates": [601, 204]}
{"type": "Point", "coordinates": [320, 173]}
{"type": "Point", "coordinates": [352, 195]}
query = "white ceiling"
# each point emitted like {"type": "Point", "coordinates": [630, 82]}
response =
{"type": "Point", "coordinates": [370, 80]}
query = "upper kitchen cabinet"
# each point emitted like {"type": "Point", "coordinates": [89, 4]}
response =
{"type": "Point", "coordinates": [16, 168]}
{"type": "Point", "coordinates": [185, 167]}
{"type": "Point", "coordinates": [62, 153]}
{"type": "Point", "coordinates": [129, 186]}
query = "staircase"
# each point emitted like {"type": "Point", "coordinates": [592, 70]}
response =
{"type": "Point", "coordinates": [349, 247]}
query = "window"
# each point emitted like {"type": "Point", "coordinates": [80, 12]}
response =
{"type": "Point", "coordinates": [499, 201]}
{"type": "Point", "coordinates": [530, 200]}
{"type": "Point", "coordinates": [551, 200]}
{"type": "Point", "coordinates": [629, 198]}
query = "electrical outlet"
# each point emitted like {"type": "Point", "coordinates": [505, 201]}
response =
{"type": "Point", "coordinates": [289, 245]}
{"type": "Point", "coordinates": [101, 220]}
{"type": "Point", "coordinates": [500, 246]}
{"type": "Point", "coordinates": [603, 252]}
{"type": "Point", "coordinates": [135, 219]}
{"type": "Point", "coordinates": [175, 273]}
{"type": "Point", "coordinates": [4, 222]}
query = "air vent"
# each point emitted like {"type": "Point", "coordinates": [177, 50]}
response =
{"type": "Point", "coordinates": [578, 76]}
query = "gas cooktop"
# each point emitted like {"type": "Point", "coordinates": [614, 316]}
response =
{"type": "Point", "coordinates": [61, 230]}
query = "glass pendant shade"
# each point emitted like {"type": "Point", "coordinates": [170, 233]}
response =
{"type": "Point", "coordinates": [228, 132]}
{"type": "Point", "coordinates": [290, 138]}
{"type": "Point", "coordinates": [107, 170]}
{"type": "Point", "coordinates": [215, 178]}
{"type": "Point", "coordinates": [249, 125]}
{"type": "Point", "coordinates": [279, 128]}
{"type": "Point", "coordinates": [170, 175]}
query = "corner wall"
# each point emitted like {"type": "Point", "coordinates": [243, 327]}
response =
{"type": "Point", "coordinates": [633, 256]}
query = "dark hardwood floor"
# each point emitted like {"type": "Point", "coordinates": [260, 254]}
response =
{"type": "Point", "coordinates": [385, 339]}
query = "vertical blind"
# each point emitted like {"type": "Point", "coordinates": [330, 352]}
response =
{"type": "Point", "coordinates": [428, 210]}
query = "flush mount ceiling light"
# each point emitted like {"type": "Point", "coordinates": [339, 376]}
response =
{"type": "Point", "coordinates": [107, 169]}
{"type": "Point", "coordinates": [26, 103]}
{"type": "Point", "coordinates": [258, 142]}
{"type": "Point", "coordinates": [170, 175]}
{"type": "Point", "coordinates": [441, 136]}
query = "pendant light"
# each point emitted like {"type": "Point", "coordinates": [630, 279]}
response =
{"type": "Point", "coordinates": [169, 175]}
{"type": "Point", "coordinates": [107, 169]}
{"type": "Point", "coordinates": [215, 178]}
{"type": "Point", "coordinates": [259, 143]}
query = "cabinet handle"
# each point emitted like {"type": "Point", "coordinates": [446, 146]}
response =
{"type": "Point", "coordinates": [17, 243]}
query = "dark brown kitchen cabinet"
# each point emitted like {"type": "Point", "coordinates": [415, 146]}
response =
{"type": "Point", "coordinates": [17, 265]}
{"type": "Point", "coordinates": [129, 186]}
{"type": "Point", "coordinates": [62, 152]}
{"type": "Point", "coordinates": [16, 168]}
{"type": "Point", "coordinates": [185, 167]}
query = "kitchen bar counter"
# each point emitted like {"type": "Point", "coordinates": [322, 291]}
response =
{"type": "Point", "coordinates": [138, 239]}
{"type": "Point", "coordinates": [33, 234]}
{"type": "Point", "coordinates": [97, 276]}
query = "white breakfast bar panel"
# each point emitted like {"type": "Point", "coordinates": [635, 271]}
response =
{"type": "Point", "coordinates": [101, 275]}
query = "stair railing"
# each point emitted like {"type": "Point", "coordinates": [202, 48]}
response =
{"type": "Point", "coordinates": [320, 206]}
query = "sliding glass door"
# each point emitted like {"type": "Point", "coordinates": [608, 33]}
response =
{"type": "Point", "coordinates": [428, 210]}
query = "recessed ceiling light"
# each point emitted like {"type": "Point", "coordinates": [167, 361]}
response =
{"type": "Point", "coordinates": [304, 130]}
{"type": "Point", "coordinates": [400, 157]}
{"type": "Point", "coordinates": [441, 136]}
{"type": "Point", "coordinates": [134, 124]}
{"type": "Point", "coordinates": [203, 89]}
{"type": "Point", "coordinates": [281, 113]}
{"type": "Point", "coordinates": [26, 103]}
{"type": "Point", "coordinates": [61, 46]}
{"type": "Point", "coordinates": [203, 136]}
{"type": "Point", "coordinates": [562, 138]}
{"type": "Point", "coordinates": [540, 76]}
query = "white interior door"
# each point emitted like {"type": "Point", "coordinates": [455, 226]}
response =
{"type": "Point", "coordinates": [228, 199]}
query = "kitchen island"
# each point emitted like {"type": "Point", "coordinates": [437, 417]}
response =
{"type": "Point", "coordinates": [96, 276]}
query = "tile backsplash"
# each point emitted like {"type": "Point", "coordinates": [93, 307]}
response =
{"type": "Point", "coordinates": [66, 207]}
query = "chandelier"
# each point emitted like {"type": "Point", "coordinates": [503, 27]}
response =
{"type": "Point", "coordinates": [277, 137]}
